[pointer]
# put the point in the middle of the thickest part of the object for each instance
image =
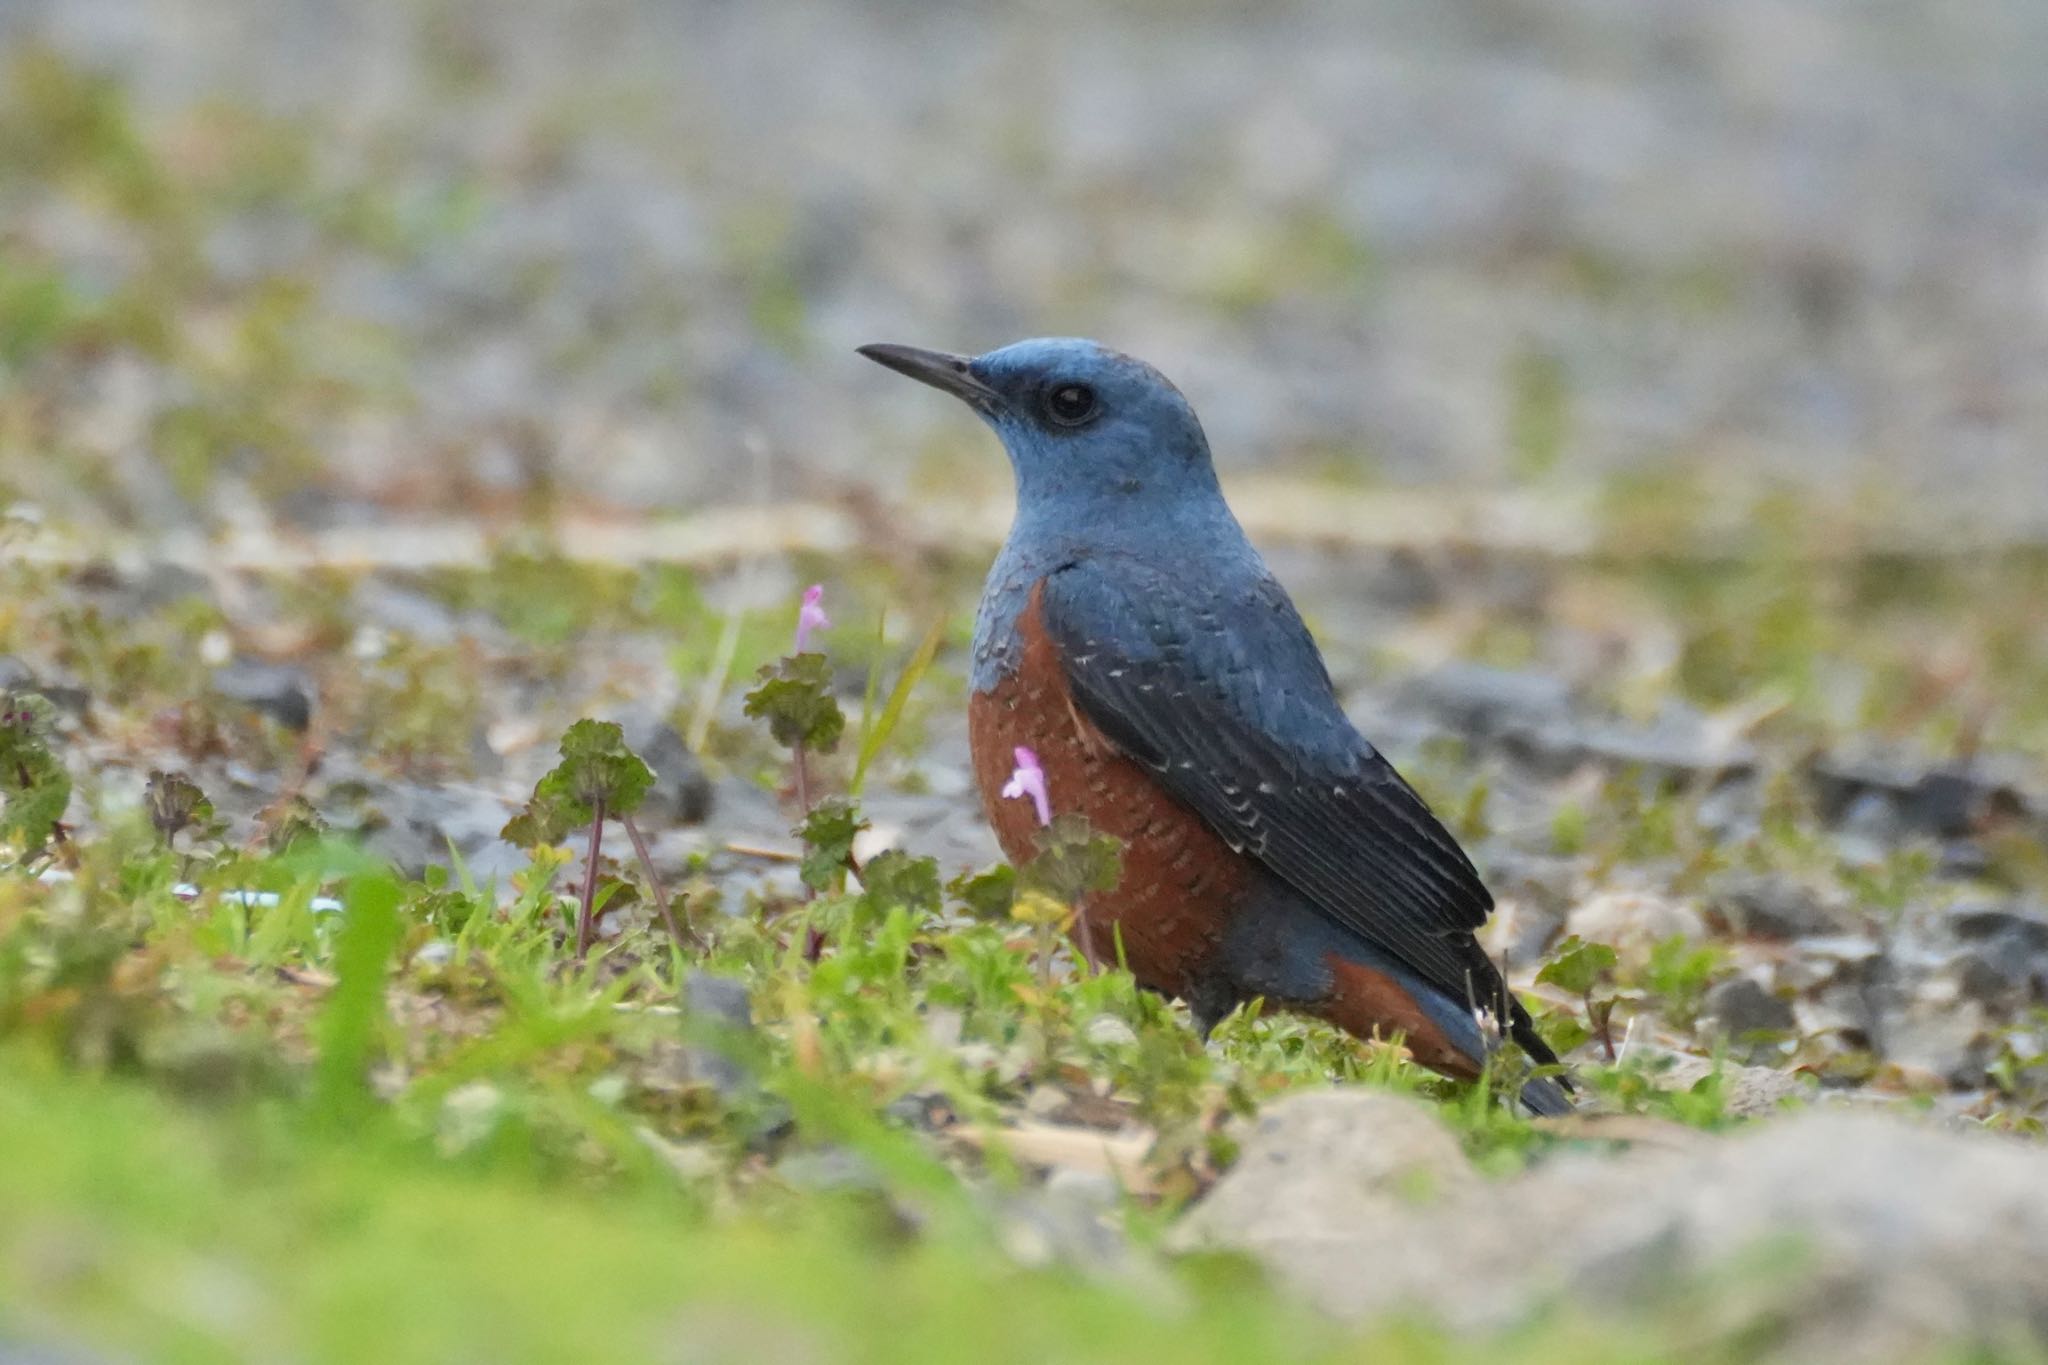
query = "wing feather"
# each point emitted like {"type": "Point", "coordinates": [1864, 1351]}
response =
{"type": "Point", "coordinates": [1229, 703]}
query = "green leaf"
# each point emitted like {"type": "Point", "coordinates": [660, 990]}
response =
{"type": "Point", "coordinates": [828, 833]}
{"type": "Point", "coordinates": [1577, 967]}
{"type": "Point", "coordinates": [1564, 1033]}
{"type": "Point", "coordinates": [893, 877]}
{"type": "Point", "coordinates": [355, 1011]}
{"type": "Point", "coordinates": [794, 696]}
{"type": "Point", "coordinates": [1073, 860]}
{"type": "Point", "coordinates": [986, 894]}
{"type": "Point", "coordinates": [175, 804]}
{"type": "Point", "coordinates": [596, 766]}
{"type": "Point", "coordinates": [877, 736]}
{"type": "Point", "coordinates": [34, 786]}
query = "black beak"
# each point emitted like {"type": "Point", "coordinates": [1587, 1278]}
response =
{"type": "Point", "coordinates": [939, 369]}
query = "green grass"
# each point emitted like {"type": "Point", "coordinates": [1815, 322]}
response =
{"type": "Point", "coordinates": [132, 1223]}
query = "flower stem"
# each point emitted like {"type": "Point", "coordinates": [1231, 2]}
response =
{"type": "Point", "coordinates": [801, 770]}
{"type": "Point", "coordinates": [677, 930]}
{"type": "Point", "coordinates": [586, 926]}
{"type": "Point", "coordinates": [1084, 934]}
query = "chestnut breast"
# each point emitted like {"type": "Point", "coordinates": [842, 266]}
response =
{"type": "Point", "coordinates": [1181, 883]}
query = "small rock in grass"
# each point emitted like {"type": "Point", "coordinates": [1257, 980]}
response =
{"type": "Point", "coordinates": [721, 1003]}
{"type": "Point", "coordinates": [1746, 1091]}
{"type": "Point", "coordinates": [1487, 703]}
{"type": "Point", "coordinates": [681, 793]}
{"type": "Point", "coordinates": [1327, 1163]}
{"type": "Point", "coordinates": [1106, 1030]}
{"type": "Point", "coordinates": [280, 691]}
{"type": "Point", "coordinates": [1632, 923]}
{"type": "Point", "coordinates": [1741, 1008]}
{"type": "Point", "coordinates": [1771, 906]}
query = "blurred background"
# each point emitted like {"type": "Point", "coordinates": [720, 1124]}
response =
{"type": "Point", "coordinates": [1646, 402]}
{"type": "Point", "coordinates": [297, 262]}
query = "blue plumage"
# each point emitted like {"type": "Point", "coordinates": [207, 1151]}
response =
{"type": "Point", "coordinates": [1178, 644]}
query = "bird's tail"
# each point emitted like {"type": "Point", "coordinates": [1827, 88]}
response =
{"type": "Point", "coordinates": [1546, 1096]}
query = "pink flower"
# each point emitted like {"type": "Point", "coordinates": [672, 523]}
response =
{"type": "Point", "coordinates": [1029, 780]}
{"type": "Point", "coordinates": [811, 616]}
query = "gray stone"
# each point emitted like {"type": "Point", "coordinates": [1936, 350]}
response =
{"type": "Point", "coordinates": [1326, 1163]}
{"type": "Point", "coordinates": [1486, 703]}
{"type": "Point", "coordinates": [389, 603]}
{"type": "Point", "coordinates": [681, 793]}
{"type": "Point", "coordinates": [716, 1004]}
{"type": "Point", "coordinates": [709, 996]}
{"type": "Point", "coordinates": [1678, 743]}
{"type": "Point", "coordinates": [1772, 906]}
{"type": "Point", "coordinates": [413, 825]}
{"type": "Point", "coordinates": [281, 691]}
{"type": "Point", "coordinates": [1943, 801]}
{"type": "Point", "coordinates": [1740, 1007]}
{"type": "Point", "coordinates": [1634, 922]}
{"type": "Point", "coordinates": [1746, 1091]}
{"type": "Point", "coordinates": [1938, 1043]}
{"type": "Point", "coordinates": [832, 1168]}
{"type": "Point", "coordinates": [1833, 1236]}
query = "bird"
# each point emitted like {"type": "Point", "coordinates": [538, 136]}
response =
{"type": "Point", "coordinates": [1132, 638]}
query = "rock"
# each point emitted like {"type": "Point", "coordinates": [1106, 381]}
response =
{"type": "Point", "coordinates": [413, 825]}
{"type": "Point", "coordinates": [2018, 929]}
{"type": "Point", "coordinates": [717, 998]}
{"type": "Point", "coordinates": [1632, 923]}
{"type": "Point", "coordinates": [1532, 898]}
{"type": "Point", "coordinates": [1679, 743]}
{"type": "Point", "coordinates": [832, 1168]}
{"type": "Point", "coordinates": [1741, 1008]}
{"type": "Point", "coordinates": [1943, 801]}
{"type": "Point", "coordinates": [2003, 953]}
{"type": "Point", "coordinates": [681, 793]}
{"type": "Point", "coordinates": [389, 603]}
{"type": "Point", "coordinates": [1070, 1220]}
{"type": "Point", "coordinates": [1746, 1091]}
{"type": "Point", "coordinates": [1771, 906]}
{"type": "Point", "coordinates": [1531, 716]}
{"type": "Point", "coordinates": [1485, 703]}
{"type": "Point", "coordinates": [1326, 1163]}
{"type": "Point", "coordinates": [1106, 1030]}
{"type": "Point", "coordinates": [281, 691]}
{"type": "Point", "coordinates": [1953, 804]}
{"type": "Point", "coordinates": [948, 828]}
{"type": "Point", "coordinates": [1937, 1043]}
{"type": "Point", "coordinates": [1864, 1262]}
{"type": "Point", "coordinates": [16, 676]}
{"type": "Point", "coordinates": [716, 1003]}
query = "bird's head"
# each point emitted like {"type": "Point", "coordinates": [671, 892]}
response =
{"type": "Point", "coordinates": [1084, 425]}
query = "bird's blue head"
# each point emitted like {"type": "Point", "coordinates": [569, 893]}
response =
{"type": "Point", "coordinates": [1089, 430]}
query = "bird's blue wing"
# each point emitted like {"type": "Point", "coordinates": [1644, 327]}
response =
{"type": "Point", "coordinates": [1224, 696]}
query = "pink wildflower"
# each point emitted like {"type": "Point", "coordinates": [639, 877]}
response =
{"type": "Point", "coordinates": [1029, 780]}
{"type": "Point", "coordinates": [811, 616]}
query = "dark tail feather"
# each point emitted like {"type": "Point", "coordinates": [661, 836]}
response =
{"type": "Point", "coordinates": [1545, 1098]}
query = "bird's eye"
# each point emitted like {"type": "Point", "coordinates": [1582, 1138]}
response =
{"type": "Point", "coordinates": [1070, 404]}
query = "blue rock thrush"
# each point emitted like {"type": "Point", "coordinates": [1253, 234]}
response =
{"type": "Point", "coordinates": [1131, 636]}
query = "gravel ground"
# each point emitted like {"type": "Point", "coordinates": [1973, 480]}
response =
{"type": "Point", "coordinates": [1437, 243]}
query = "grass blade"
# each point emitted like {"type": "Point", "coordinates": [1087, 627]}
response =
{"type": "Point", "coordinates": [892, 710]}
